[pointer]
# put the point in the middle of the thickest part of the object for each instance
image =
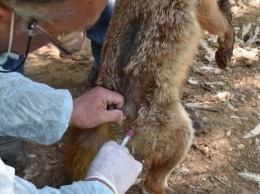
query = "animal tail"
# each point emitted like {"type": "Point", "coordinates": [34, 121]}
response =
{"type": "Point", "coordinates": [224, 6]}
{"type": "Point", "coordinates": [81, 148]}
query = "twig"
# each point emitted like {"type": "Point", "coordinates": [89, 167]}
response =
{"type": "Point", "coordinates": [222, 182]}
{"type": "Point", "coordinates": [201, 106]}
{"type": "Point", "coordinates": [209, 109]}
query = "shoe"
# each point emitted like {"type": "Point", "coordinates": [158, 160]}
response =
{"type": "Point", "coordinates": [74, 42]}
{"type": "Point", "coordinates": [13, 151]}
{"type": "Point", "coordinates": [92, 76]}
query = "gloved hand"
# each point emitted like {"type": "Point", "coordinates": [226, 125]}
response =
{"type": "Point", "coordinates": [115, 166]}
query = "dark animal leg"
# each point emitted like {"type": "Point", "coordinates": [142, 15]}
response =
{"type": "Point", "coordinates": [216, 19]}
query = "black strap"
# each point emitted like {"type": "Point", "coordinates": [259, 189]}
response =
{"type": "Point", "coordinates": [31, 26]}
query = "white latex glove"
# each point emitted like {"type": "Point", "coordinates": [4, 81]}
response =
{"type": "Point", "coordinates": [115, 166]}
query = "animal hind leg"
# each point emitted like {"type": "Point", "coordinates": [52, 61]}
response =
{"type": "Point", "coordinates": [216, 19]}
{"type": "Point", "coordinates": [179, 143]}
{"type": "Point", "coordinates": [156, 179]}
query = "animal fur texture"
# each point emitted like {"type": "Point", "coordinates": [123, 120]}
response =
{"type": "Point", "coordinates": [146, 55]}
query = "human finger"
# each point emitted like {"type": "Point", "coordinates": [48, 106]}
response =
{"type": "Point", "coordinates": [114, 99]}
{"type": "Point", "coordinates": [112, 116]}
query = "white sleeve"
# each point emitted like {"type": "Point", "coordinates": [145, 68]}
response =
{"type": "Point", "coordinates": [11, 184]}
{"type": "Point", "coordinates": [33, 111]}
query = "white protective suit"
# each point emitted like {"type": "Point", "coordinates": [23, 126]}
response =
{"type": "Point", "coordinates": [40, 114]}
{"type": "Point", "coordinates": [33, 111]}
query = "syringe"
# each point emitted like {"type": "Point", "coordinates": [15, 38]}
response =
{"type": "Point", "coordinates": [129, 134]}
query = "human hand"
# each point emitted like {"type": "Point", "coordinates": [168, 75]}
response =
{"type": "Point", "coordinates": [115, 166]}
{"type": "Point", "coordinates": [93, 108]}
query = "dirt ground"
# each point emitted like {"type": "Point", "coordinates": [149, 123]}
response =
{"type": "Point", "coordinates": [227, 101]}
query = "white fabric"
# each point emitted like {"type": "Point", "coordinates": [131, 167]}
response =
{"type": "Point", "coordinates": [11, 184]}
{"type": "Point", "coordinates": [33, 111]}
{"type": "Point", "coordinates": [116, 166]}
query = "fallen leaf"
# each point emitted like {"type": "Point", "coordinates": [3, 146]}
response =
{"type": "Point", "coordinates": [254, 132]}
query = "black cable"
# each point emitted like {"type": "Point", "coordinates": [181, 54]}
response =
{"type": "Point", "coordinates": [31, 25]}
